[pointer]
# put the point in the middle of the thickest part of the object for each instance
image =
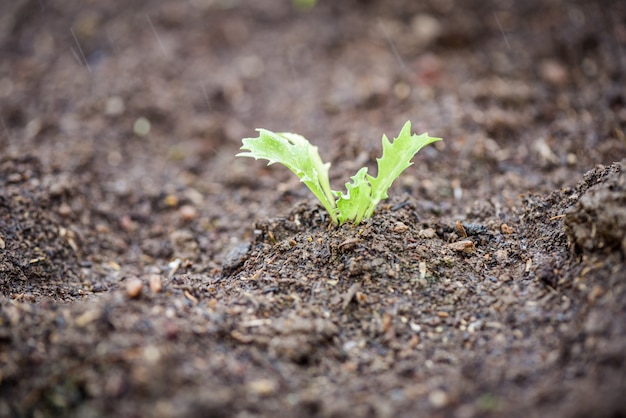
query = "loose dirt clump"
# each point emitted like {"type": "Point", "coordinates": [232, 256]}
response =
{"type": "Point", "coordinates": [598, 220]}
{"type": "Point", "coordinates": [36, 249]}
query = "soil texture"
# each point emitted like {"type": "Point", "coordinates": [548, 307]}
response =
{"type": "Point", "coordinates": [145, 271]}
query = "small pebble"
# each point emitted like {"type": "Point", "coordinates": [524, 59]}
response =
{"type": "Point", "coordinates": [402, 90]}
{"type": "Point", "coordinates": [114, 106]}
{"type": "Point", "coordinates": [571, 159]}
{"type": "Point", "coordinates": [425, 28]}
{"type": "Point", "coordinates": [554, 72]}
{"type": "Point", "coordinates": [596, 292]}
{"type": "Point", "coordinates": [141, 127]}
{"type": "Point", "coordinates": [466, 246]}
{"type": "Point", "coordinates": [128, 224]}
{"type": "Point", "coordinates": [438, 398]}
{"type": "Point", "coordinates": [188, 213]}
{"type": "Point", "coordinates": [400, 227]}
{"type": "Point", "coordinates": [171, 201]}
{"type": "Point", "coordinates": [87, 318]}
{"type": "Point", "coordinates": [501, 255]}
{"type": "Point", "coordinates": [156, 284]}
{"type": "Point", "coordinates": [134, 287]}
{"type": "Point", "coordinates": [263, 387]}
{"type": "Point", "coordinates": [65, 210]}
{"type": "Point", "coordinates": [422, 267]}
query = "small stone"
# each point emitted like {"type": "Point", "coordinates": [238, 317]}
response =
{"type": "Point", "coordinates": [571, 159]}
{"type": "Point", "coordinates": [151, 354]}
{"type": "Point", "coordinates": [423, 271]}
{"type": "Point", "coordinates": [128, 224]}
{"type": "Point", "coordinates": [87, 318]}
{"type": "Point", "coordinates": [425, 28]}
{"type": "Point", "coordinates": [474, 326]}
{"type": "Point", "coordinates": [188, 213]}
{"type": "Point", "coordinates": [263, 387]}
{"type": "Point", "coordinates": [171, 201]}
{"type": "Point", "coordinates": [33, 128]}
{"type": "Point", "coordinates": [466, 246]}
{"type": "Point", "coordinates": [438, 398]}
{"type": "Point", "coordinates": [427, 233]}
{"type": "Point", "coordinates": [402, 90]}
{"type": "Point", "coordinates": [400, 227]}
{"type": "Point", "coordinates": [134, 287]}
{"type": "Point", "coordinates": [114, 106]}
{"type": "Point", "coordinates": [554, 72]}
{"type": "Point", "coordinates": [460, 230]}
{"type": "Point", "coordinates": [501, 255]}
{"type": "Point", "coordinates": [156, 284]}
{"type": "Point", "coordinates": [595, 293]}
{"type": "Point", "coordinates": [141, 127]}
{"type": "Point", "coordinates": [65, 210]}
{"type": "Point", "coordinates": [14, 178]}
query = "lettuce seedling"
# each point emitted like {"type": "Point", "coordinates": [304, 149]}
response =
{"type": "Point", "coordinates": [304, 4]}
{"type": "Point", "coordinates": [363, 194]}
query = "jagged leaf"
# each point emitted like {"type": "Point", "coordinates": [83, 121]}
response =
{"type": "Point", "coordinates": [297, 154]}
{"type": "Point", "coordinates": [396, 158]}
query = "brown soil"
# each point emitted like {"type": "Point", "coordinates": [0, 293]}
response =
{"type": "Point", "coordinates": [156, 275]}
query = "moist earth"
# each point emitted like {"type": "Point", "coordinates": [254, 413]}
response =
{"type": "Point", "coordinates": [146, 271]}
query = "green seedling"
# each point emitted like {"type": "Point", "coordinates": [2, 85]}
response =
{"type": "Point", "coordinates": [304, 4]}
{"type": "Point", "coordinates": [363, 194]}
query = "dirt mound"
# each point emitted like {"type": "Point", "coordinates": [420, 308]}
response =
{"type": "Point", "coordinates": [37, 253]}
{"type": "Point", "coordinates": [598, 221]}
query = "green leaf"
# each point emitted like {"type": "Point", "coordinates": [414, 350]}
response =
{"type": "Point", "coordinates": [396, 158]}
{"type": "Point", "coordinates": [352, 205]}
{"type": "Point", "coordinates": [297, 154]}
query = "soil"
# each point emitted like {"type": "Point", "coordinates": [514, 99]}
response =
{"type": "Point", "coordinates": [147, 272]}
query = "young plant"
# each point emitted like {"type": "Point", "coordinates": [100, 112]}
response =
{"type": "Point", "coordinates": [364, 192]}
{"type": "Point", "coordinates": [304, 4]}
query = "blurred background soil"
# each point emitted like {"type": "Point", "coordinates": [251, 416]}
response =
{"type": "Point", "coordinates": [146, 271]}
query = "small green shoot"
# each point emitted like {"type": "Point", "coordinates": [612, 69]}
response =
{"type": "Point", "coordinates": [304, 4]}
{"type": "Point", "coordinates": [364, 192]}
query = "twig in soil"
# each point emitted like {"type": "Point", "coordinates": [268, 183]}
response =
{"type": "Point", "coordinates": [350, 295]}
{"type": "Point", "coordinates": [400, 205]}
